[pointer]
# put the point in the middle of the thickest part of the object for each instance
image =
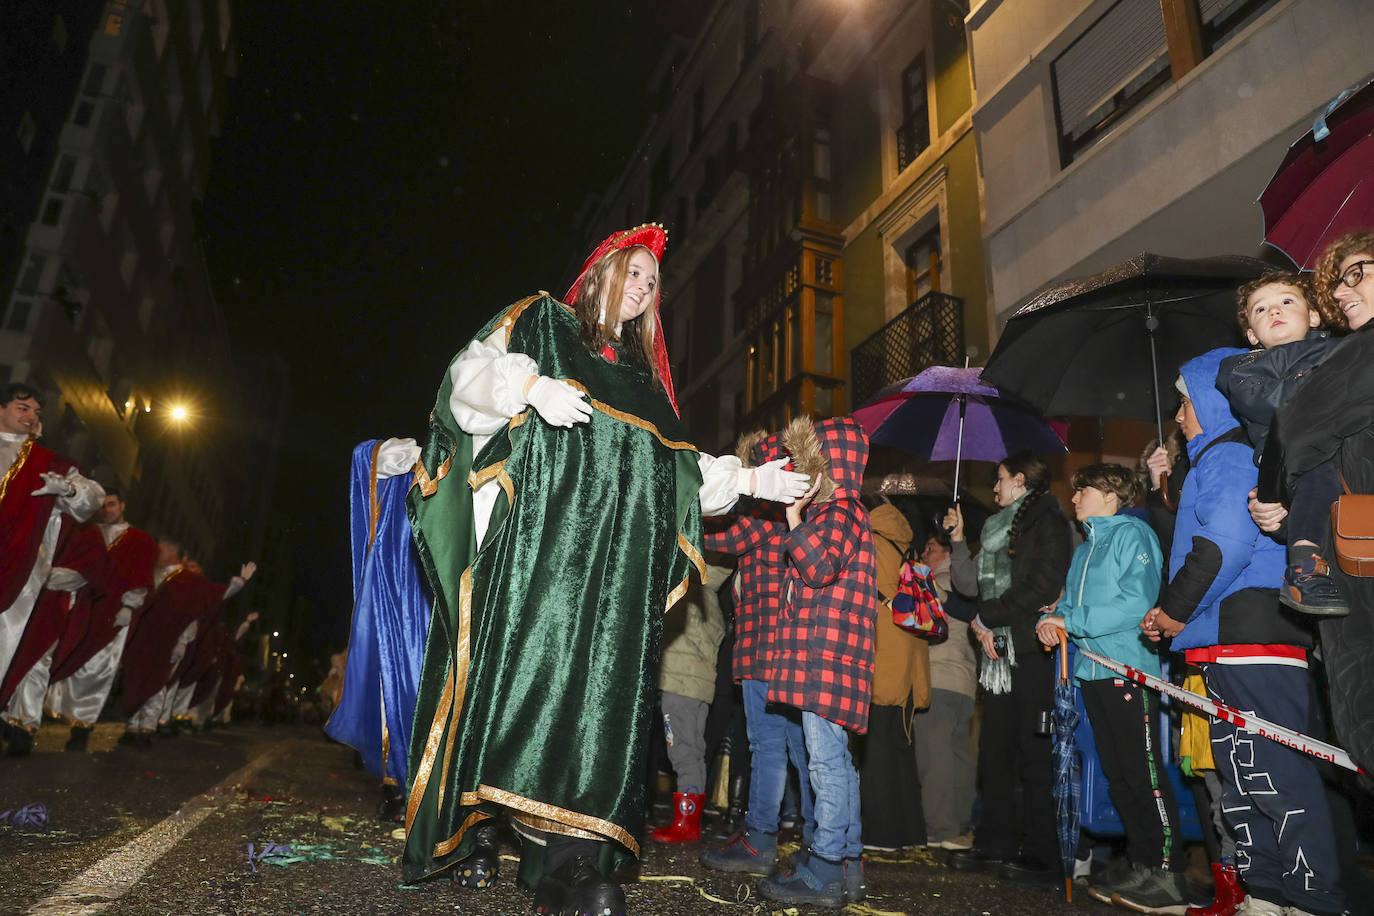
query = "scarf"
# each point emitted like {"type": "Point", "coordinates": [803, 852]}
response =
{"type": "Point", "coordinates": [994, 578]}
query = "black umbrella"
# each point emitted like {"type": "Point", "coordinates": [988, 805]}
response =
{"type": "Point", "coordinates": [1110, 345]}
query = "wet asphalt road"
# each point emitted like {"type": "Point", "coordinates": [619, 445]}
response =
{"type": "Point", "coordinates": [288, 787]}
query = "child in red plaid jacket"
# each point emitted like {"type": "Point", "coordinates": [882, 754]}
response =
{"type": "Point", "coordinates": [822, 661]}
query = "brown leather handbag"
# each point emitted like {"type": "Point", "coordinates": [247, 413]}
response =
{"type": "Point", "coordinates": [1352, 527]}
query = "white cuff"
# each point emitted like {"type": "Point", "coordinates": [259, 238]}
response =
{"type": "Point", "coordinates": [396, 456]}
{"type": "Point", "coordinates": [721, 480]}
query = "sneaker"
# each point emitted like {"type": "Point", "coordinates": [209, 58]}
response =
{"type": "Point", "coordinates": [748, 852]}
{"type": "Point", "coordinates": [963, 841]}
{"type": "Point", "coordinates": [815, 882]}
{"type": "Point", "coordinates": [1157, 891]}
{"type": "Point", "coordinates": [1258, 906]}
{"type": "Point", "coordinates": [855, 887]}
{"type": "Point", "coordinates": [1115, 876]}
{"type": "Point", "coordinates": [1309, 588]}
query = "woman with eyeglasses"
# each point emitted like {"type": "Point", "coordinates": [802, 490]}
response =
{"type": "Point", "coordinates": [1331, 418]}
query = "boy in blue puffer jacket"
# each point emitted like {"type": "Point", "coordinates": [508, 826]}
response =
{"type": "Point", "coordinates": [1222, 609]}
{"type": "Point", "coordinates": [1112, 583]}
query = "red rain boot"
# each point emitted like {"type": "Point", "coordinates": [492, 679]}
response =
{"type": "Point", "coordinates": [1229, 893]}
{"type": "Point", "coordinates": [686, 827]}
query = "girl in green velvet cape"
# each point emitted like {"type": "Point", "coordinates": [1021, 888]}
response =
{"type": "Point", "coordinates": [537, 690]}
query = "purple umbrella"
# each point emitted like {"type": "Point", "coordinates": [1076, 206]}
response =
{"type": "Point", "coordinates": [948, 413]}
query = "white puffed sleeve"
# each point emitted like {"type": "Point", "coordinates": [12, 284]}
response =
{"type": "Point", "coordinates": [62, 579]}
{"type": "Point", "coordinates": [85, 498]}
{"type": "Point", "coordinates": [235, 586]}
{"type": "Point", "coordinates": [723, 481]}
{"type": "Point", "coordinates": [487, 384]}
{"type": "Point", "coordinates": [396, 456]}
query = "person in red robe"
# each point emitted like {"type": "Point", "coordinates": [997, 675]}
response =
{"type": "Point", "coordinates": [78, 574]}
{"type": "Point", "coordinates": [202, 653]}
{"type": "Point", "coordinates": [38, 487]}
{"type": "Point", "coordinates": [158, 638]}
{"type": "Point", "coordinates": [89, 653]}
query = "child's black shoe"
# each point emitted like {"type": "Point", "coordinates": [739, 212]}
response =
{"type": "Point", "coordinates": [1308, 586]}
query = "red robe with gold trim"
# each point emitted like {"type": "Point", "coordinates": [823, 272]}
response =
{"type": "Point", "coordinates": [131, 556]}
{"type": "Point", "coordinates": [81, 548]}
{"type": "Point", "coordinates": [173, 605]}
{"type": "Point", "coordinates": [23, 517]}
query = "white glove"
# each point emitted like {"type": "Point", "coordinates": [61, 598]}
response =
{"type": "Point", "coordinates": [124, 617]}
{"type": "Point", "coordinates": [559, 403]}
{"type": "Point", "coordinates": [771, 482]}
{"type": "Point", "coordinates": [54, 485]}
{"type": "Point", "coordinates": [396, 457]}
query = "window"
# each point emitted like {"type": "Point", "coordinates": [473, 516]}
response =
{"type": "Point", "coordinates": [84, 112]}
{"type": "Point", "coordinates": [52, 211]}
{"type": "Point", "coordinates": [32, 276]}
{"type": "Point", "coordinates": [156, 13]}
{"type": "Point", "coordinates": [59, 33]}
{"type": "Point", "coordinates": [62, 175]}
{"type": "Point", "coordinates": [922, 259]}
{"type": "Point", "coordinates": [27, 131]}
{"type": "Point", "coordinates": [1222, 20]}
{"type": "Point", "coordinates": [95, 79]}
{"type": "Point", "coordinates": [1118, 63]}
{"type": "Point", "coordinates": [914, 134]}
{"type": "Point", "coordinates": [18, 319]}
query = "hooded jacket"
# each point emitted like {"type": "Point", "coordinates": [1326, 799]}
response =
{"type": "Point", "coordinates": [1113, 582]}
{"type": "Point", "coordinates": [823, 661]}
{"type": "Point", "coordinates": [1224, 573]}
{"type": "Point", "coordinates": [901, 661]}
{"type": "Point", "coordinates": [753, 534]}
{"type": "Point", "coordinates": [692, 632]}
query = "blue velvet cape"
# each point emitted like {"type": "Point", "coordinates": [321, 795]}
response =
{"type": "Point", "coordinates": [390, 624]}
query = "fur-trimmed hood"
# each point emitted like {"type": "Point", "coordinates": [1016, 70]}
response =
{"type": "Point", "coordinates": [834, 450]}
{"type": "Point", "coordinates": [747, 447]}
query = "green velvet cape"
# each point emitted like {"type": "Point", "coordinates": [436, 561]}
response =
{"type": "Point", "coordinates": [538, 686]}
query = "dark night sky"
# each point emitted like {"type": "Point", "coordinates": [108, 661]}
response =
{"type": "Point", "coordinates": [389, 176]}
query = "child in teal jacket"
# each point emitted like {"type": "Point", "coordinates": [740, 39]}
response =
{"type": "Point", "coordinates": [1113, 581]}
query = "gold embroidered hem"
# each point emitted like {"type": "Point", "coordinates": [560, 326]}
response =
{"type": "Point", "coordinates": [436, 733]}
{"type": "Point", "coordinates": [550, 818]}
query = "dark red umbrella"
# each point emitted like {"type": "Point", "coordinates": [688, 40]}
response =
{"type": "Point", "coordinates": [1324, 187]}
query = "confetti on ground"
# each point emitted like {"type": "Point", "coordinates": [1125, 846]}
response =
{"type": "Point", "coordinates": [34, 815]}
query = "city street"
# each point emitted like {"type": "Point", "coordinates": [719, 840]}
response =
{"type": "Point", "coordinates": [168, 830]}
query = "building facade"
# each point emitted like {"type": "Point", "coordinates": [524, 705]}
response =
{"type": "Point", "coordinates": [815, 167]}
{"type": "Point", "coordinates": [110, 310]}
{"type": "Point", "coordinates": [1113, 127]}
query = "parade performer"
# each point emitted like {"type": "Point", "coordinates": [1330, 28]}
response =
{"type": "Point", "coordinates": [203, 650]}
{"type": "Point", "coordinates": [87, 658]}
{"type": "Point", "coordinates": [386, 642]}
{"type": "Point", "coordinates": [79, 572]}
{"type": "Point", "coordinates": [37, 488]}
{"type": "Point", "coordinates": [557, 514]}
{"type": "Point", "coordinates": [158, 638]}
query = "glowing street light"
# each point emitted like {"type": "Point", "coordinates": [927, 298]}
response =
{"type": "Point", "coordinates": [178, 413]}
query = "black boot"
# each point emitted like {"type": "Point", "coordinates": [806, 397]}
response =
{"type": "Point", "coordinates": [573, 883]}
{"type": "Point", "coordinates": [480, 869]}
{"type": "Point", "coordinates": [21, 742]}
{"type": "Point", "coordinates": [77, 742]}
{"type": "Point", "coordinates": [392, 810]}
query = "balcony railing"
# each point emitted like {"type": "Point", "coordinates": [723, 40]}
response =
{"type": "Point", "coordinates": [929, 333]}
{"type": "Point", "coordinates": [912, 137]}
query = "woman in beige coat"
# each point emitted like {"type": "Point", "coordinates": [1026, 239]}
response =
{"type": "Point", "coordinates": [889, 786]}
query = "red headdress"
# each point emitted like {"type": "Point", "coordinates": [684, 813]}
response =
{"type": "Point", "coordinates": [655, 238]}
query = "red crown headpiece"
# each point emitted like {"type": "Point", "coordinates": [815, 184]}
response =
{"type": "Point", "coordinates": [655, 238]}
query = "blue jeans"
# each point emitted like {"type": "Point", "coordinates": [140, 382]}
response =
{"type": "Point", "coordinates": [836, 784]}
{"type": "Point", "coordinates": [774, 736]}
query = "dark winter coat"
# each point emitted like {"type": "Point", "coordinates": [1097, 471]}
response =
{"type": "Point", "coordinates": [1332, 416]}
{"type": "Point", "coordinates": [824, 658]}
{"type": "Point", "coordinates": [1258, 382]}
{"type": "Point", "coordinates": [1044, 547]}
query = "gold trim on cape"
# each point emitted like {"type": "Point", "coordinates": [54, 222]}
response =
{"type": "Point", "coordinates": [558, 820]}
{"type": "Point", "coordinates": [13, 471]}
{"type": "Point", "coordinates": [447, 846]}
{"type": "Point", "coordinates": [436, 733]}
{"type": "Point", "coordinates": [429, 486]}
{"type": "Point", "coordinates": [373, 507]}
{"type": "Point", "coordinates": [459, 686]}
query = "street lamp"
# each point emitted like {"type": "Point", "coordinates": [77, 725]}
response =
{"type": "Point", "coordinates": [179, 413]}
